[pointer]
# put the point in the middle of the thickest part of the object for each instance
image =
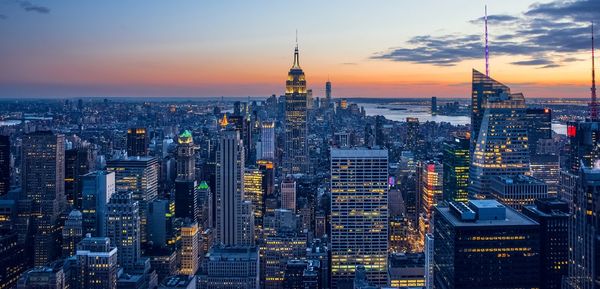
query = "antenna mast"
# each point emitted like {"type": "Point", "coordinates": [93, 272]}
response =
{"type": "Point", "coordinates": [593, 104]}
{"type": "Point", "coordinates": [487, 51]}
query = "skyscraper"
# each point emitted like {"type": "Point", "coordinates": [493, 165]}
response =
{"type": "Point", "coordinates": [96, 264]}
{"type": "Point", "coordinates": [328, 94]}
{"type": "Point", "coordinates": [456, 169]}
{"type": "Point", "coordinates": [137, 142]}
{"type": "Point", "coordinates": [231, 227]}
{"type": "Point", "coordinates": [232, 267]}
{"type": "Point", "coordinates": [429, 196]}
{"type": "Point", "coordinates": [584, 140]}
{"type": "Point", "coordinates": [288, 194]}
{"type": "Point", "coordinates": [4, 164]}
{"type": "Point", "coordinates": [138, 175]}
{"type": "Point", "coordinates": [267, 138]}
{"type": "Point", "coordinates": [295, 154]}
{"type": "Point", "coordinates": [78, 162]}
{"type": "Point", "coordinates": [412, 133]}
{"type": "Point", "coordinates": [434, 106]}
{"type": "Point", "coordinates": [483, 88]}
{"type": "Point", "coordinates": [484, 244]}
{"type": "Point", "coordinates": [502, 145]}
{"type": "Point", "coordinates": [254, 192]}
{"type": "Point", "coordinates": [539, 126]}
{"type": "Point", "coordinates": [189, 249]}
{"type": "Point", "coordinates": [186, 197]}
{"type": "Point", "coordinates": [518, 191]}
{"type": "Point", "coordinates": [553, 217]}
{"type": "Point", "coordinates": [123, 228]}
{"type": "Point", "coordinates": [359, 214]}
{"type": "Point", "coordinates": [72, 233]}
{"type": "Point", "coordinates": [96, 189]}
{"type": "Point", "coordinates": [44, 185]}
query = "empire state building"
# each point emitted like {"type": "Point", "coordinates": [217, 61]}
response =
{"type": "Point", "coordinates": [295, 156]}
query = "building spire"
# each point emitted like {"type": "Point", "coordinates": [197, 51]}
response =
{"type": "Point", "coordinates": [487, 51]}
{"type": "Point", "coordinates": [594, 103]}
{"type": "Point", "coordinates": [296, 54]}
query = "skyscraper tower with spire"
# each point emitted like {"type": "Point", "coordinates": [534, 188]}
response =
{"type": "Point", "coordinates": [594, 103]}
{"type": "Point", "coordinates": [295, 155]}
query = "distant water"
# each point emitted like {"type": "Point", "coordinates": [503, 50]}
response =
{"type": "Point", "coordinates": [424, 115]}
{"type": "Point", "coordinates": [9, 122]}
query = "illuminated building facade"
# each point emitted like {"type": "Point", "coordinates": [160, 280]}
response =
{"type": "Point", "coordinates": [189, 249]}
{"type": "Point", "coordinates": [96, 264]}
{"type": "Point", "coordinates": [484, 244]}
{"type": "Point", "coordinates": [278, 250]}
{"type": "Point", "coordinates": [553, 217]}
{"type": "Point", "coordinates": [359, 214]}
{"type": "Point", "coordinates": [232, 267]}
{"type": "Point", "coordinates": [254, 192]}
{"type": "Point", "coordinates": [123, 228]}
{"type": "Point", "coordinates": [43, 174]}
{"type": "Point", "coordinates": [72, 233]}
{"type": "Point", "coordinates": [295, 153]}
{"type": "Point", "coordinates": [456, 162]}
{"type": "Point", "coordinates": [483, 87]}
{"type": "Point", "coordinates": [267, 140]}
{"type": "Point", "coordinates": [584, 140]}
{"type": "Point", "coordinates": [186, 170]}
{"type": "Point", "coordinates": [412, 133]}
{"type": "Point", "coordinates": [138, 175]}
{"type": "Point", "coordinates": [518, 191]}
{"type": "Point", "coordinates": [406, 270]}
{"type": "Point", "coordinates": [399, 231]}
{"type": "Point", "coordinates": [502, 144]}
{"type": "Point", "coordinates": [546, 168]}
{"type": "Point", "coordinates": [137, 142]}
{"type": "Point", "coordinates": [539, 126]}
{"type": "Point", "coordinates": [430, 195]}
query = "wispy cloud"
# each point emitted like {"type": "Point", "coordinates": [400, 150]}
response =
{"type": "Point", "coordinates": [30, 7]}
{"type": "Point", "coordinates": [544, 33]}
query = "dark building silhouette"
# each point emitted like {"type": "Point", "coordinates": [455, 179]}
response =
{"type": "Point", "coordinates": [137, 142]}
{"type": "Point", "coordinates": [4, 164]}
{"type": "Point", "coordinates": [539, 126]}
{"type": "Point", "coordinates": [456, 163]}
{"type": "Point", "coordinates": [553, 217]}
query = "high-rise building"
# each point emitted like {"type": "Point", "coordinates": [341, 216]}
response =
{"type": "Point", "coordinates": [137, 142]}
{"type": "Point", "coordinates": [407, 270]}
{"type": "Point", "coordinates": [267, 139]}
{"type": "Point", "coordinates": [96, 189]}
{"type": "Point", "coordinates": [584, 139]}
{"type": "Point", "coordinates": [278, 250]}
{"type": "Point", "coordinates": [518, 191]}
{"type": "Point", "coordinates": [359, 214]}
{"type": "Point", "coordinates": [553, 217]}
{"type": "Point", "coordinates": [546, 168]}
{"type": "Point", "coordinates": [13, 260]}
{"type": "Point", "coordinates": [72, 233]}
{"type": "Point", "coordinates": [485, 245]}
{"type": "Point", "coordinates": [288, 194]}
{"type": "Point", "coordinates": [539, 126]}
{"type": "Point", "coordinates": [4, 164]}
{"type": "Point", "coordinates": [43, 174]}
{"type": "Point", "coordinates": [456, 163]}
{"type": "Point", "coordinates": [502, 147]}
{"type": "Point", "coordinates": [189, 249]}
{"type": "Point", "coordinates": [412, 133]}
{"type": "Point", "coordinates": [429, 196]}
{"type": "Point", "coordinates": [328, 102]}
{"type": "Point", "coordinates": [46, 277]}
{"type": "Point", "coordinates": [254, 192]}
{"type": "Point", "coordinates": [295, 153]}
{"type": "Point", "coordinates": [96, 264]}
{"type": "Point", "coordinates": [186, 168]}
{"type": "Point", "coordinates": [584, 238]}
{"type": "Point", "coordinates": [434, 106]}
{"type": "Point", "coordinates": [123, 228]}
{"type": "Point", "coordinates": [231, 222]}
{"type": "Point", "coordinates": [138, 175]}
{"type": "Point", "coordinates": [78, 162]}
{"type": "Point", "coordinates": [483, 88]}
{"type": "Point", "coordinates": [232, 267]}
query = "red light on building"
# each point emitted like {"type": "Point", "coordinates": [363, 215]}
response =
{"type": "Point", "coordinates": [431, 168]}
{"type": "Point", "coordinates": [571, 131]}
{"type": "Point", "coordinates": [546, 110]}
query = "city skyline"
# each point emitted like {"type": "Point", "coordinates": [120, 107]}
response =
{"type": "Point", "coordinates": [64, 49]}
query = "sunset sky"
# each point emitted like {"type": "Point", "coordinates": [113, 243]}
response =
{"type": "Point", "coordinates": [393, 48]}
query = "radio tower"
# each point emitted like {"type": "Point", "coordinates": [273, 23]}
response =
{"type": "Point", "coordinates": [487, 51]}
{"type": "Point", "coordinates": [594, 103]}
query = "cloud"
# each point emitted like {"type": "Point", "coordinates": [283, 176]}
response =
{"type": "Point", "coordinates": [547, 34]}
{"type": "Point", "coordinates": [29, 7]}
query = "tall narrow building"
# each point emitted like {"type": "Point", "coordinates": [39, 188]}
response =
{"type": "Point", "coordinates": [295, 154]}
{"type": "Point", "coordinates": [137, 142]}
{"type": "Point", "coordinates": [359, 214]}
{"type": "Point", "coordinates": [96, 189]}
{"type": "Point", "coordinates": [96, 263]}
{"type": "Point", "coordinates": [328, 102]}
{"type": "Point", "coordinates": [186, 196]}
{"type": "Point", "coordinates": [231, 227]}
{"type": "Point", "coordinates": [43, 173]}
{"type": "Point", "coordinates": [456, 169]}
{"type": "Point", "coordinates": [267, 138]}
{"type": "Point", "coordinates": [123, 228]}
{"type": "Point", "coordinates": [502, 144]}
{"type": "Point", "coordinates": [4, 164]}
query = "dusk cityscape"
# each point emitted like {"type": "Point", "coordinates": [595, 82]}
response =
{"type": "Point", "coordinates": [304, 145]}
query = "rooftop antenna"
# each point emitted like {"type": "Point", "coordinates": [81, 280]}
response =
{"type": "Point", "coordinates": [296, 56]}
{"type": "Point", "coordinates": [487, 50]}
{"type": "Point", "coordinates": [593, 104]}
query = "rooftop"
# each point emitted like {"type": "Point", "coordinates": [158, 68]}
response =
{"type": "Point", "coordinates": [510, 216]}
{"type": "Point", "coordinates": [359, 152]}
